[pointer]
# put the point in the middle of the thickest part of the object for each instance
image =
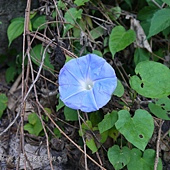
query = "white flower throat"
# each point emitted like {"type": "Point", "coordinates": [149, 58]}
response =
{"type": "Point", "coordinates": [87, 84]}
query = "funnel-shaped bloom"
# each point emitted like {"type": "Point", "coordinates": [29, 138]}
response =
{"type": "Point", "coordinates": [87, 83]}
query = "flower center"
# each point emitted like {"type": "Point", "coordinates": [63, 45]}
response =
{"type": "Point", "coordinates": [88, 84]}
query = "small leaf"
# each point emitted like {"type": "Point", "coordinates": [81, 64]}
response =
{"type": "Point", "coordinates": [39, 22]}
{"type": "Point", "coordinates": [97, 32]}
{"type": "Point", "coordinates": [60, 105]}
{"type": "Point", "coordinates": [152, 79]}
{"type": "Point", "coordinates": [3, 103]}
{"type": "Point", "coordinates": [161, 108]}
{"type": "Point", "coordinates": [159, 22]}
{"type": "Point", "coordinates": [15, 29]}
{"type": "Point", "coordinates": [119, 91]}
{"type": "Point", "coordinates": [114, 13]}
{"type": "Point", "coordinates": [85, 126]}
{"type": "Point", "coordinates": [137, 130]}
{"type": "Point", "coordinates": [36, 56]}
{"type": "Point", "coordinates": [34, 126]}
{"type": "Point", "coordinates": [108, 122]}
{"type": "Point", "coordinates": [10, 74]}
{"type": "Point", "coordinates": [120, 39]}
{"type": "Point", "coordinates": [143, 162]}
{"type": "Point", "coordinates": [57, 132]}
{"type": "Point", "coordinates": [119, 157]}
{"type": "Point", "coordinates": [91, 145]}
{"type": "Point", "coordinates": [80, 2]}
{"type": "Point", "coordinates": [70, 114]}
{"type": "Point", "coordinates": [71, 16]}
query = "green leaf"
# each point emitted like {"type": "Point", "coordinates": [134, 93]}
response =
{"type": "Point", "coordinates": [141, 55]}
{"type": "Point", "coordinates": [71, 16]}
{"type": "Point", "coordinates": [137, 130]}
{"type": "Point", "coordinates": [145, 15]}
{"type": "Point", "coordinates": [119, 91]}
{"type": "Point", "coordinates": [15, 29]}
{"type": "Point", "coordinates": [68, 58]}
{"type": "Point", "coordinates": [161, 108]}
{"type": "Point", "coordinates": [34, 126]}
{"type": "Point", "coordinates": [143, 162]}
{"type": "Point", "coordinates": [119, 157]}
{"type": "Point", "coordinates": [108, 122]}
{"type": "Point", "coordinates": [99, 53]}
{"type": "Point", "coordinates": [129, 2]}
{"type": "Point", "coordinates": [85, 126]}
{"type": "Point", "coordinates": [61, 5]}
{"type": "Point", "coordinates": [10, 74]}
{"type": "Point", "coordinates": [114, 13]}
{"type": "Point", "coordinates": [120, 39]}
{"type": "Point", "coordinates": [152, 79]}
{"type": "Point", "coordinates": [113, 133]}
{"type": "Point", "coordinates": [60, 105]}
{"type": "Point", "coordinates": [96, 117]}
{"type": "Point", "coordinates": [91, 144]}
{"type": "Point", "coordinates": [3, 103]}
{"type": "Point", "coordinates": [36, 56]}
{"type": "Point", "coordinates": [70, 114]}
{"type": "Point", "coordinates": [97, 32]}
{"type": "Point", "coordinates": [39, 21]}
{"type": "Point", "coordinates": [167, 2]}
{"type": "Point", "coordinates": [159, 22]}
{"type": "Point", "coordinates": [80, 2]}
{"type": "Point", "coordinates": [57, 132]}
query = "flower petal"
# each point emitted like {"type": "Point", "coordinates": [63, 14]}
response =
{"type": "Point", "coordinates": [73, 69]}
{"type": "Point", "coordinates": [103, 90]}
{"type": "Point", "coordinates": [83, 100]}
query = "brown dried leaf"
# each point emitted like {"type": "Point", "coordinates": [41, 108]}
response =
{"type": "Point", "coordinates": [141, 40]}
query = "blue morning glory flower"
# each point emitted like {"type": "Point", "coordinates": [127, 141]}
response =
{"type": "Point", "coordinates": [87, 83]}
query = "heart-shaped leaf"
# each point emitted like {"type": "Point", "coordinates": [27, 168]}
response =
{"type": "Point", "coordinates": [152, 79]}
{"type": "Point", "coordinates": [15, 29]}
{"type": "Point", "coordinates": [120, 39]}
{"type": "Point", "coordinates": [143, 162]}
{"type": "Point", "coordinates": [137, 130]}
{"type": "Point", "coordinates": [119, 157]}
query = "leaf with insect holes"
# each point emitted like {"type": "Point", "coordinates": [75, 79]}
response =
{"type": "Point", "coordinates": [152, 79]}
{"type": "Point", "coordinates": [119, 157]}
{"type": "Point", "coordinates": [137, 130]}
